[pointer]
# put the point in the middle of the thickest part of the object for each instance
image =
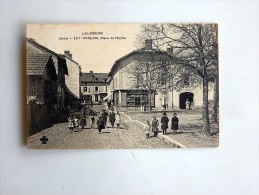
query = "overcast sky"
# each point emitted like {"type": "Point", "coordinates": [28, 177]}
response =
{"type": "Point", "coordinates": [97, 55]}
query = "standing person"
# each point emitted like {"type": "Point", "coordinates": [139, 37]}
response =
{"type": "Point", "coordinates": [187, 104]}
{"type": "Point", "coordinates": [100, 124]}
{"type": "Point", "coordinates": [154, 126]}
{"type": "Point", "coordinates": [109, 104]}
{"type": "Point", "coordinates": [147, 130]}
{"type": "Point", "coordinates": [118, 120]}
{"type": "Point", "coordinates": [71, 123]}
{"type": "Point", "coordinates": [112, 118]}
{"type": "Point", "coordinates": [76, 123]}
{"type": "Point", "coordinates": [92, 120]}
{"type": "Point", "coordinates": [164, 123]}
{"type": "Point", "coordinates": [104, 116]}
{"type": "Point", "coordinates": [175, 121]}
{"type": "Point", "coordinates": [83, 120]}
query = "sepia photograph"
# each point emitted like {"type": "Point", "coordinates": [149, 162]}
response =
{"type": "Point", "coordinates": [122, 86]}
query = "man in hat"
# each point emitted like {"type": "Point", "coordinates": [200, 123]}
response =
{"type": "Point", "coordinates": [164, 123]}
{"type": "Point", "coordinates": [175, 121]}
{"type": "Point", "coordinates": [104, 116]}
{"type": "Point", "coordinates": [112, 118]}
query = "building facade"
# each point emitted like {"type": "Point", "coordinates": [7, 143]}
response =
{"type": "Point", "coordinates": [72, 80]}
{"type": "Point", "coordinates": [127, 94]}
{"type": "Point", "coordinates": [94, 87]}
{"type": "Point", "coordinates": [60, 66]}
{"type": "Point", "coordinates": [41, 79]}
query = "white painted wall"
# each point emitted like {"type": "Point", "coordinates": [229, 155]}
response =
{"type": "Point", "coordinates": [73, 78]}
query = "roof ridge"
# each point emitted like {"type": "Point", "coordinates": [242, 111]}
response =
{"type": "Point", "coordinates": [31, 40]}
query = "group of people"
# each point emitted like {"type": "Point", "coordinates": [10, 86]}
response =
{"type": "Point", "coordinates": [113, 118]}
{"type": "Point", "coordinates": [75, 121]}
{"type": "Point", "coordinates": [153, 127]}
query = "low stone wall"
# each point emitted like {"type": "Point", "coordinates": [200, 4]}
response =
{"type": "Point", "coordinates": [160, 135]}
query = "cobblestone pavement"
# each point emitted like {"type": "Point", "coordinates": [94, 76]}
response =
{"type": "Point", "coordinates": [130, 135]}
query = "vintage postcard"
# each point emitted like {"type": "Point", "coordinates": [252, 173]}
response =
{"type": "Point", "coordinates": [113, 86]}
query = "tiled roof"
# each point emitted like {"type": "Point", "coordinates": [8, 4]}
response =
{"type": "Point", "coordinates": [97, 77]}
{"type": "Point", "coordinates": [47, 50]}
{"type": "Point", "coordinates": [36, 63]}
{"type": "Point", "coordinates": [137, 52]}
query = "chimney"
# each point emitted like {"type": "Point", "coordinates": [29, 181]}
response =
{"type": "Point", "coordinates": [148, 44]}
{"type": "Point", "coordinates": [170, 50]}
{"type": "Point", "coordinates": [67, 53]}
{"type": "Point", "coordinates": [92, 74]}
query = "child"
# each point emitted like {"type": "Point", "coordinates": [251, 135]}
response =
{"type": "Point", "coordinates": [118, 120]}
{"type": "Point", "coordinates": [71, 123]}
{"type": "Point", "coordinates": [155, 126]}
{"type": "Point", "coordinates": [76, 123]}
{"type": "Point", "coordinates": [147, 130]}
{"type": "Point", "coordinates": [92, 120]}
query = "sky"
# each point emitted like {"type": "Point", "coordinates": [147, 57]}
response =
{"type": "Point", "coordinates": [97, 55]}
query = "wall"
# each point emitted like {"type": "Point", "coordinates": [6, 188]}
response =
{"type": "Point", "coordinates": [72, 79]}
{"type": "Point", "coordinates": [35, 88]}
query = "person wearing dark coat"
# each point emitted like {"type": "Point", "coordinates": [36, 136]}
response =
{"type": "Point", "coordinates": [83, 119]}
{"type": "Point", "coordinates": [175, 121]}
{"type": "Point", "coordinates": [164, 123]}
{"type": "Point", "coordinates": [154, 126]}
{"type": "Point", "coordinates": [104, 116]}
{"type": "Point", "coordinates": [100, 124]}
{"type": "Point", "coordinates": [109, 104]}
{"type": "Point", "coordinates": [112, 118]}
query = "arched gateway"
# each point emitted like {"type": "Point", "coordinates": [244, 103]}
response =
{"type": "Point", "coordinates": [183, 97]}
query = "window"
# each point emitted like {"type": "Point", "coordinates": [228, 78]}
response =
{"type": "Point", "coordinates": [96, 99]}
{"type": "Point", "coordinates": [96, 88]}
{"type": "Point", "coordinates": [105, 89]}
{"type": "Point", "coordinates": [137, 101]}
{"type": "Point", "coordinates": [85, 89]}
{"type": "Point", "coordinates": [137, 98]}
{"type": "Point", "coordinates": [163, 78]}
{"type": "Point", "coordinates": [186, 80]}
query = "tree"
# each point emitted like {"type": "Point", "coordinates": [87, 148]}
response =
{"type": "Point", "coordinates": [147, 74]}
{"type": "Point", "coordinates": [195, 51]}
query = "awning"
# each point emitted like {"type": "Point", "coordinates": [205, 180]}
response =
{"type": "Point", "coordinates": [109, 95]}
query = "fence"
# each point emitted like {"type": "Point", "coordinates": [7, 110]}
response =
{"type": "Point", "coordinates": [39, 117]}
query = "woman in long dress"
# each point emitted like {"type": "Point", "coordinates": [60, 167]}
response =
{"type": "Point", "coordinates": [117, 120]}
{"type": "Point", "coordinates": [175, 122]}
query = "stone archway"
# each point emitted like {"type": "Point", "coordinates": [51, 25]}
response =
{"type": "Point", "coordinates": [183, 97]}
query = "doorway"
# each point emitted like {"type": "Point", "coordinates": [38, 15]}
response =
{"type": "Point", "coordinates": [183, 97]}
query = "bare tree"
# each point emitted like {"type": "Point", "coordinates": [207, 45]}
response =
{"type": "Point", "coordinates": [148, 75]}
{"type": "Point", "coordinates": [195, 52]}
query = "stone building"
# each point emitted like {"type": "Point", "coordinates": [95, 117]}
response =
{"type": "Point", "coordinates": [41, 79]}
{"type": "Point", "coordinates": [93, 87]}
{"type": "Point", "coordinates": [124, 90]}
{"type": "Point", "coordinates": [60, 66]}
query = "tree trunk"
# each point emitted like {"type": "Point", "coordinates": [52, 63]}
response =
{"type": "Point", "coordinates": [205, 109]}
{"type": "Point", "coordinates": [149, 101]}
{"type": "Point", "coordinates": [215, 101]}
